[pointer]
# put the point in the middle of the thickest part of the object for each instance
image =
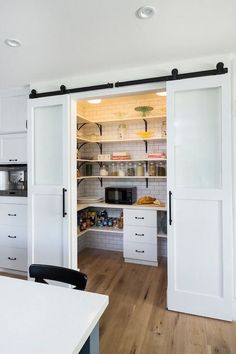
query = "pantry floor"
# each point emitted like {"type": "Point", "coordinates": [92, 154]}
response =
{"type": "Point", "coordinates": [136, 320]}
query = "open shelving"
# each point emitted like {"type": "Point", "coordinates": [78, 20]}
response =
{"type": "Point", "coordinates": [126, 160]}
{"type": "Point", "coordinates": [122, 177]}
{"type": "Point", "coordinates": [117, 119]}
{"type": "Point", "coordinates": [83, 139]}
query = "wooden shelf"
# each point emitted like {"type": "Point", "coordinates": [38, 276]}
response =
{"type": "Point", "coordinates": [103, 141]}
{"type": "Point", "coordinates": [126, 119]}
{"type": "Point", "coordinates": [100, 229]}
{"type": "Point", "coordinates": [129, 160]}
{"type": "Point", "coordinates": [124, 177]}
{"type": "Point", "coordinates": [81, 206]}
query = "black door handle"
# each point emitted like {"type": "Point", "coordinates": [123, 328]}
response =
{"type": "Point", "coordinates": [64, 213]}
{"type": "Point", "coordinates": [170, 216]}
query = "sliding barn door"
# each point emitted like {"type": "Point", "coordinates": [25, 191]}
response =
{"type": "Point", "coordinates": [200, 209]}
{"type": "Point", "coordinates": [49, 181]}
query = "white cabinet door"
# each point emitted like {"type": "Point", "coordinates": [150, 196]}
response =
{"type": "Point", "coordinates": [200, 206]}
{"type": "Point", "coordinates": [49, 173]}
{"type": "Point", "coordinates": [13, 113]}
{"type": "Point", "coordinates": [13, 148]}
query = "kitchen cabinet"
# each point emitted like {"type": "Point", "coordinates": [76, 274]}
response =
{"type": "Point", "coordinates": [13, 236]}
{"type": "Point", "coordinates": [13, 148]}
{"type": "Point", "coordinates": [13, 112]}
{"type": "Point", "coordinates": [140, 236]}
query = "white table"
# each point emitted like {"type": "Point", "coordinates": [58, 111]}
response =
{"type": "Point", "coordinates": [45, 319]}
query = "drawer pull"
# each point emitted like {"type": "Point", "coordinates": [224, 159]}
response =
{"type": "Point", "coordinates": [11, 214]}
{"type": "Point", "coordinates": [139, 251]}
{"type": "Point", "coordinates": [12, 258]}
{"type": "Point", "coordinates": [13, 160]}
{"type": "Point", "coordinates": [138, 234]}
{"type": "Point", "coordinates": [139, 218]}
{"type": "Point", "coordinates": [10, 236]}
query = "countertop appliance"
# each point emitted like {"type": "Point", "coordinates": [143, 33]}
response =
{"type": "Point", "coordinates": [13, 180]}
{"type": "Point", "coordinates": [121, 195]}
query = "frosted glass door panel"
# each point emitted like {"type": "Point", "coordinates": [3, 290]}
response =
{"type": "Point", "coordinates": [48, 149]}
{"type": "Point", "coordinates": [197, 138]}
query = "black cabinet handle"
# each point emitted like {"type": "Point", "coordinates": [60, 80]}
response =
{"type": "Point", "coordinates": [11, 214]}
{"type": "Point", "coordinates": [139, 251]}
{"type": "Point", "coordinates": [12, 258]}
{"type": "Point", "coordinates": [64, 213]}
{"type": "Point", "coordinates": [13, 160]}
{"type": "Point", "coordinates": [139, 218]}
{"type": "Point", "coordinates": [170, 216]}
{"type": "Point", "coordinates": [10, 236]}
{"type": "Point", "coordinates": [138, 234]}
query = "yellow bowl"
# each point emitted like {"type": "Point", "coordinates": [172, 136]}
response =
{"type": "Point", "coordinates": [144, 135]}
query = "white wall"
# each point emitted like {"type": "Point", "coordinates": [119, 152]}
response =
{"type": "Point", "coordinates": [202, 63]}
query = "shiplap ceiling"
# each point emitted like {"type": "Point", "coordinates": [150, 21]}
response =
{"type": "Point", "coordinates": [72, 37]}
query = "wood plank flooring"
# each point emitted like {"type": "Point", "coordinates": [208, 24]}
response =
{"type": "Point", "coordinates": [136, 320]}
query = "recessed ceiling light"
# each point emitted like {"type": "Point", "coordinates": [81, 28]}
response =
{"type": "Point", "coordinates": [145, 12]}
{"type": "Point", "coordinates": [95, 101]}
{"type": "Point", "coordinates": [12, 42]}
{"type": "Point", "coordinates": [162, 93]}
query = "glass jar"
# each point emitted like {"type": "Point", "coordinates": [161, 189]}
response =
{"type": "Point", "coordinates": [151, 169]}
{"type": "Point", "coordinates": [130, 169]}
{"type": "Point", "coordinates": [161, 169]}
{"type": "Point", "coordinates": [121, 170]}
{"type": "Point", "coordinates": [113, 170]}
{"type": "Point", "coordinates": [104, 170]}
{"type": "Point", "coordinates": [89, 169]}
{"type": "Point", "coordinates": [140, 169]}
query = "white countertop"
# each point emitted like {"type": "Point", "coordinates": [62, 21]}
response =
{"type": "Point", "coordinates": [13, 200]}
{"type": "Point", "coordinates": [81, 206]}
{"type": "Point", "coordinates": [45, 319]}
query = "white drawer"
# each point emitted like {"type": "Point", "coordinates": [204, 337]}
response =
{"type": "Point", "coordinates": [13, 214]}
{"type": "Point", "coordinates": [13, 258]}
{"type": "Point", "coordinates": [13, 236]}
{"type": "Point", "coordinates": [141, 251]}
{"type": "Point", "coordinates": [140, 234]}
{"type": "Point", "coordinates": [140, 217]}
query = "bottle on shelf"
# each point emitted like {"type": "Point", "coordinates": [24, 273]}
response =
{"type": "Point", "coordinates": [130, 169]}
{"type": "Point", "coordinates": [113, 169]}
{"type": "Point", "coordinates": [152, 169]}
{"type": "Point", "coordinates": [140, 169]}
{"type": "Point", "coordinates": [89, 169]}
{"type": "Point", "coordinates": [160, 169]}
{"type": "Point", "coordinates": [104, 170]}
{"type": "Point", "coordinates": [121, 170]}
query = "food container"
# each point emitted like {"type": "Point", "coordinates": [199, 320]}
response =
{"type": "Point", "coordinates": [140, 169]}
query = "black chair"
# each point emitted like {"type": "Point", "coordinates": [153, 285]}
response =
{"type": "Point", "coordinates": [64, 275]}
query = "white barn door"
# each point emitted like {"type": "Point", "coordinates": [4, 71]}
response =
{"type": "Point", "coordinates": [49, 179]}
{"type": "Point", "coordinates": [200, 207]}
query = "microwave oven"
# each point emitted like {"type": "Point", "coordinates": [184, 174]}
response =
{"type": "Point", "coordinates": [121, 195]}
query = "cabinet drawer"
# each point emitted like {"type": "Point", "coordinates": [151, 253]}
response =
{"type": "Point", "coordinates": [13, 214]}
{"type": "Point", "coordinates": [13, 236]}
{"type": "Point", "coordinates": [142, 251]}
{"type": "Point", "coordinates": [140, 217]}
{"type": "Point", "coordinates": [13, 258]}
{"type": "Point", "coordinates": [140, 234]}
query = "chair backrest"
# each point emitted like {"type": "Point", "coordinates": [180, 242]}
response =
{"type": "Point", "coordinates": [64, 275]}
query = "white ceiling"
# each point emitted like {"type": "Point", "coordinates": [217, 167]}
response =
{"type": "Point", "coordinates": [65, 38]}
